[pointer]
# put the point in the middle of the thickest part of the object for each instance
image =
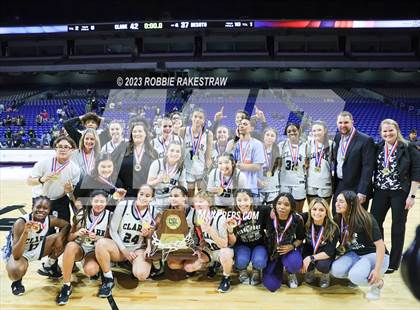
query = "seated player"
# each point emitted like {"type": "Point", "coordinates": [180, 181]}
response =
{"type": "Point", "coordinates": [322, 235]}
{"type": "Point", "coordinates": [131, 228]}
{"type": "Point", "coordinates": [212, 235]}
{"type": "Point", "coordinates": [90, 224]}
{"type": "Point", "coordinates": [28, 241]}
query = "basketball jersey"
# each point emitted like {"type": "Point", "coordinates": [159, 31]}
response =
{"type": "Point", "coordinates": [35, 240]}
{"type": "Point", "coordinates": [99, 229]}
{"type": "Point", "coordinates": [226, 198]}
{"type": "Point", "coordinates": [218, 224]}
{"type": "Point", "coordinates": [162, 146]}
{"type": "Point", "coordinates": [216, 151]}
{"type": "Point", "coordinates": [131, 225]}
{"type": "Point", "coordinates": [195, 166]}
{"type": "Point", "coordinates": [292, 174]}
{"type": "Point", "coordinates": [322, 178]}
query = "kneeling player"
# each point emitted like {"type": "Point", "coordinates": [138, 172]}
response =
{"type": "Point", "coordinates": [91, 224]}
{"type": "Point", "coordinates": [28, 242]}
{"type": "Point", "coordinates": [212, 234]}
{"type": "Point", "coordinates": [131, 228]}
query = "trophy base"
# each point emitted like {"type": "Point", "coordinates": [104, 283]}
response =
{"type": "Point", "coordinates": [178, 254]}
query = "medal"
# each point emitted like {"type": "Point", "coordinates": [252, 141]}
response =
{"type": "Point", "coordinates": [243, 153]}
{"type": "Point", "coordinates": [345, 144]}
{"type": "Point", "coordinates": [139, 156]}
{"type": "Point", "coordinates": [88, 162]}
{"type": "Point", "coordinates": [295, 168]}
{"type": "Point", "coordinates": [318, 157]}
{"type": "Point", "coordinates": [387, 157]}
{"type": "Point", "coordinates": [95, 220]}
{"type": "Point", "coordinates": [87, 239]}
{"type": "Point", "coordinates": [56, 170]}
{"type": "Point", "coordinates": [288, 223]}
{"type": "Point", "coordinates": [166, 178]}
{"type": "Point", "coordinates": [316, 242]}
{"type": "Point", "coordinates": [146, 225]}
{"type": "Point", "coordinates": [268, 174]}
{"type": "Point", "coordinates": [196, 143]}
{"type": "Point", "coordinates": [36, 226]}
{"type": "Point", "coordinates": [232, 223]}
{"type": "Point", "coordinates": [220, 190]}
{"type": "Point", "coordinates": [116, 196]}
{"type": "Point", "coordinates": [294, 152]}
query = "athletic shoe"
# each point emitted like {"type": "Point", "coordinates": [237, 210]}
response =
{"type": "Point", "coordinates": [309, 276]}
{"type": "Point", "coordinates": [293, 282]}
{"type": "Point", "coordinates": [390, 270]}
{"type": "Point", "coordinates": [375, 291]}
{"type": "Point", "coordinates": [243, 276]}
{"type": "Point", "coordinates": [17, 288]}
{"type": "Point", "coordinates": [95, 277]}
{"type": "Point", "coordinates": [255, 277]}
{"type": "Point", "coordinates": [53, 271]}
{"type": "Point", "coordinates": [106, 287]}
{"type": "Point", "coordinates": [324, 281]}
{"type": "Point", "coordinates": [352, 285]}
{"type": "Point", "coordinates": [224, 286]}
{"type": "Point", "coordinates": [63, 297]}
{"type": "Point", "coordinates": [157, 269]}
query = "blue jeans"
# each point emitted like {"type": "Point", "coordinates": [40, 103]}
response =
{"type": "Point", "coordinates": [357, 268]}
{"type": "Point", "coordinates": [244, 255]}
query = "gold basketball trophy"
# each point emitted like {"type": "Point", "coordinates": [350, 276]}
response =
{"type": "Point", "coordinates": [173, 237]}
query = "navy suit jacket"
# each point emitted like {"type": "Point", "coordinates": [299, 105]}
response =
{"type": "Point", "coordinates": [358, 164]}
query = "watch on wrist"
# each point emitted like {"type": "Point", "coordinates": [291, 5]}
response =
{"type": "Point", "coordinates": [413, 196]}
{"type": "Point", "coordinates": [312, 259]}
{"type": "Point", "coordinates": [39, 180]}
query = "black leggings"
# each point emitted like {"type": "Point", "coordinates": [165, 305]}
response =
{"type": "Point", "coordinates": [60, 208]}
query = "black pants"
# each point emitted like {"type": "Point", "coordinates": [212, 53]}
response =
{"type": "Point", "coordinates": [60, 208]}
{"type": "Point", "coordinates": [339, 188]}
{"type": "Point", "coordinates": [382, 201]}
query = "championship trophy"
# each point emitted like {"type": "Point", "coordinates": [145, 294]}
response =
{"type": "Point", "coordinates": [173, 237]}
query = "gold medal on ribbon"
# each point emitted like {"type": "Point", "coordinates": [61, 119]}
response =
{"type": "Point", "coordinates": [55, 177]}
{"type": "Point", "coordinates": [220, 190]}
{"type": "Point", "coordinates": [385, 171]}
{"type": "Point", "coordinates": [232, 223]}
{"type": "Point", "coordinates": [137, 167]}
{"type": "Point", "coordinates": [116, 196]}
{"type": "Point", "coordinates": [317, 169]}
{"type": "Point", "coordinates": [268, 174]}
{"type": "Point", "coordinates": [36, 226]}
{"type": "Point", "coordinates": [166, 178]}
{"type": "Point", "coordinates": [146, 225]}
{"type": "Point", "coordinates": [295, 168]}
{"type": "Point", "coordinates": [195, 157]}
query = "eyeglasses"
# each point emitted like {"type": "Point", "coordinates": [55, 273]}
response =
{"type": "Point", "coordinates": [63, 147]}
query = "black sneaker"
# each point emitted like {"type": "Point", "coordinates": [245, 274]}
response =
{"type": "Point", "coordinates": [390, 270]}
{"type": "Point", "coordinates": [17, 288]}
{"type": "Point", "coordinates": [157, 269]}
{"type": "Point", "coordinates": [95, 277]}
{"type": "Point", "coordinates": [63, 297]}
{"type": "Point", "coordinates": [53, 271]}
{"type": "Point", "coordinates": [224, 285]}
{"type": "Point", "coordinates": [213, 269]}
{"type": "Point", "coordinates": [106, 287]}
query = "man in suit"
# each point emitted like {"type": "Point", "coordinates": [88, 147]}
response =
{"type": "Point", "coordinates": [353, 160]}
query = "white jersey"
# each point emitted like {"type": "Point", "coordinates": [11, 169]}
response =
{"type": "Point", "coordinates": [230, 184]}
{"type": "Point", "coordinates": [131, 224]}
{"type": "Point", "coordinates": [194, 163]}
{"type": "Point", "coordinates": [271, 179]}
{"type": "Point", "coordinates": [98, 226]}
{"type": "Point", "coordinates": [161, 146]}
{"type": "Point", "coordinates": [320, 178]}
{"type": "Point", "coordinates": [34, 245]}
{"type": "Point", "coordinates": [162, 189]}
{"type": "Point", "coordinates": [218, 223]}
{"type": "Point", "coordinates": [291, 173]}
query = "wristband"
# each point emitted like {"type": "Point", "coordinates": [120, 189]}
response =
{"type": "Point", "coordinates": [39, 180]}
{"type": "Point", "coordinates": [413, 196]}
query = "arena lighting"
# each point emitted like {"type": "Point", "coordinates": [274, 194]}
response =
{"type": "Point", "coordinates": [138, 26]}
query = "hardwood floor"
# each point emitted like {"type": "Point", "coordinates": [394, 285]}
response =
{"type": "Point", "coordinates": [196, 292]}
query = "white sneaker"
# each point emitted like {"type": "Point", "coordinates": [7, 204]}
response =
{"type": "Point", "coordinates": [375, 291]}
{"type": "Point", "coordinates": [243, 276]}
{"type": "Point", "coordinates": [293, 282]}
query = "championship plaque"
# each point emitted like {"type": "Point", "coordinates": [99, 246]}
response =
{"type": "Point", "coordinates": [172, 237]}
